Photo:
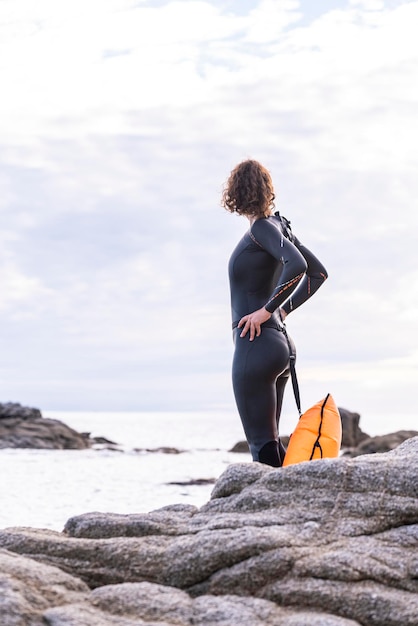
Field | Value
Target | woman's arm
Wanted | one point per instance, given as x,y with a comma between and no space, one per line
315,276
269,237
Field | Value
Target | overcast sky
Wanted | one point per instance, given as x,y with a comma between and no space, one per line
120,121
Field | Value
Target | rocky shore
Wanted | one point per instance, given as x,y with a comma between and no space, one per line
332,542
25,427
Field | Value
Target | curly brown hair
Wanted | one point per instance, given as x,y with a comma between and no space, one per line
249,190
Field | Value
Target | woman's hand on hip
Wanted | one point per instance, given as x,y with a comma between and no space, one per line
252,322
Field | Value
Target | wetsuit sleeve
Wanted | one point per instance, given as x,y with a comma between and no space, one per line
269,237
315,276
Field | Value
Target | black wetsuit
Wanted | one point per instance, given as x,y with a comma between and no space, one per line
269,270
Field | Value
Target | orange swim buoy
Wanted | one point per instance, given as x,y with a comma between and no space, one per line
317,435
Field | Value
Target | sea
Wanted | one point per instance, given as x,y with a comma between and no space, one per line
44,488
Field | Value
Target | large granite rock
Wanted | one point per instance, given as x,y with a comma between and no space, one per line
33,594
28,588
24,427
324,543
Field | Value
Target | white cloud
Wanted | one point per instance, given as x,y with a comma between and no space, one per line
269,19
339,78
121,123
369,5
21,294
88,61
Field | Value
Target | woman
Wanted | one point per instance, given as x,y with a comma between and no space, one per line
271,273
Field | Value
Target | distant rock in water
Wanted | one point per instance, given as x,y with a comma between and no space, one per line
24,427
160,450
382,443
193,482
352,433
16,410
330,542
240,447
355,442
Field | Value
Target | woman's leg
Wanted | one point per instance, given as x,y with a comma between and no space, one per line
280,387
256,367
281,383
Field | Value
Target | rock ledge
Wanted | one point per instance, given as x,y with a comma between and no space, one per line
326,543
